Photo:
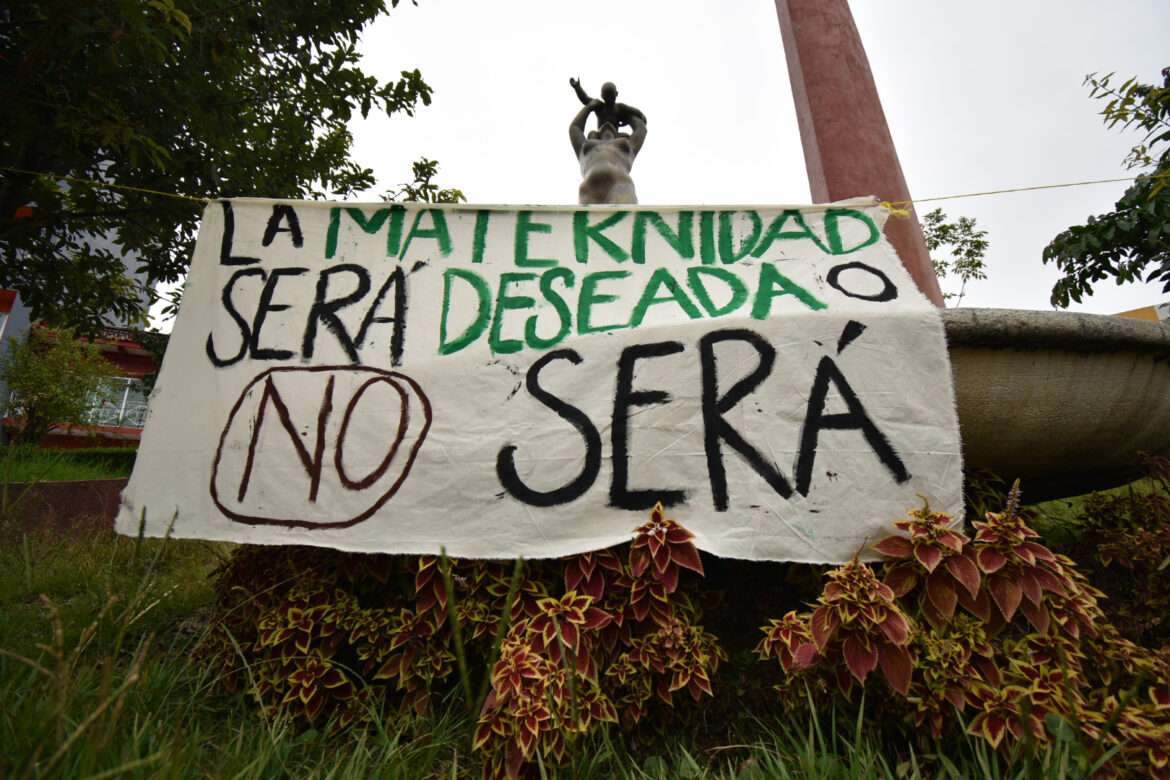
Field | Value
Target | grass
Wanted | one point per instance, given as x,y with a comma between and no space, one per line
1057,520
32,464
98,680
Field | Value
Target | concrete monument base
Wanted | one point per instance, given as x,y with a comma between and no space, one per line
1065,402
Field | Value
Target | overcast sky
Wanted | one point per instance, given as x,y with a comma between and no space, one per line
979,96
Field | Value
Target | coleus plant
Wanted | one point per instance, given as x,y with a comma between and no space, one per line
951,662
990,625
933,554
855,628
858,621
1001,571
619,635
1018,570
1031,644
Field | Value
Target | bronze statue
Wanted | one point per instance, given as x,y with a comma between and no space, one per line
606,154
615,113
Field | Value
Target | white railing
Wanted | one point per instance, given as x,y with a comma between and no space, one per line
118,401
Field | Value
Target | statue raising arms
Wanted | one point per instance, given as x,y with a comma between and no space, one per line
617,114
605,154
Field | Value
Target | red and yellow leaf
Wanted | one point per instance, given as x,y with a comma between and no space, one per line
980,606
1037,615
940,590
896,666
1006,593
687,556
823,625
669,578
930,557
1031,586
860,656
901,579
991,728
989,560
895,547
895,627
806,655
965,572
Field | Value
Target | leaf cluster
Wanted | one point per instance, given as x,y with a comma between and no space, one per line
965,244
1123,539
1132,242
986,633
423,189
209,98
995,635
318,636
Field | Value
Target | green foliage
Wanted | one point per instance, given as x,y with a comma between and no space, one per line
51,375
965,245
1122,538
28,463
210,98
155,343
422,189
98,678
1132,242
101,678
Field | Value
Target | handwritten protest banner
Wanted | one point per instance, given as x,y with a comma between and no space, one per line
525,381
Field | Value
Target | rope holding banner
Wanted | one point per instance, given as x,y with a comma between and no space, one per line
900,208
896,208
106,185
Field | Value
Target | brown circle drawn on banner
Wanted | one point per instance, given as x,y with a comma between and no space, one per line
392,378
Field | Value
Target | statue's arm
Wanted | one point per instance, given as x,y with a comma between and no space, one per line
627,112
577,126
638,137
582,95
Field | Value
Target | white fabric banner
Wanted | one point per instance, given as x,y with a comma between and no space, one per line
528,381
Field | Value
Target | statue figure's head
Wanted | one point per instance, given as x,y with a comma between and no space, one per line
608,92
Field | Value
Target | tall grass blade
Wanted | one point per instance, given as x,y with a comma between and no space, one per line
456,630
502,626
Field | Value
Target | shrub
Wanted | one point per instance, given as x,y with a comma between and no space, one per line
319,636
115,461
50,374
997,631
1122,539
985,635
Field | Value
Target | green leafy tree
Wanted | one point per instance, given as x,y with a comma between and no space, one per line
52,376
1132,242
211,98
423,189
965,248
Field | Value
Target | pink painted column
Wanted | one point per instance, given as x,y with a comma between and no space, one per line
848,150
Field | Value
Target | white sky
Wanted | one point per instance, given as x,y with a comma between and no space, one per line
979,96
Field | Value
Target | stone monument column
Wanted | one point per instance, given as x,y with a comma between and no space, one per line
848,150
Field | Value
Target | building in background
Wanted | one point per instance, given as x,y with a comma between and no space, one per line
117,405
1157,313
14,324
